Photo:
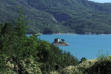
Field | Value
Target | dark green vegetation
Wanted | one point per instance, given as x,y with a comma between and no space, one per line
95,66
53,16
100,67
20,54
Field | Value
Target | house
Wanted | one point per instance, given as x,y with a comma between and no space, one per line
58,42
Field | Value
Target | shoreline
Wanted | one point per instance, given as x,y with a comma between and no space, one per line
71,34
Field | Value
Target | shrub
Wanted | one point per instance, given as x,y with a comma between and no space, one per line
83,59
102,66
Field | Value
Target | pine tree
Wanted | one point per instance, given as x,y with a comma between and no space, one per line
21,38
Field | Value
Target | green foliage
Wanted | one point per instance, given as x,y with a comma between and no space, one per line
30,46
7,38
94,66
83,59
21,54
52,58
21,25
3,62
13,65
102,66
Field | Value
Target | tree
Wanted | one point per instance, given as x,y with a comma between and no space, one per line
7,38
20,26
20,30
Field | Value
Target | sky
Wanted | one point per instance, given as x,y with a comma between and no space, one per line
102,1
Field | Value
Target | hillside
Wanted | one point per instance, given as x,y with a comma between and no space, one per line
64,16
100,65
21,54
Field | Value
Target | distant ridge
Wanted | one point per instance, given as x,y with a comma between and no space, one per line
60,16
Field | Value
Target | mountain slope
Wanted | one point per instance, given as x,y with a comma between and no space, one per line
48,16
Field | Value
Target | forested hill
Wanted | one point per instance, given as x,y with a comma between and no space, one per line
63,16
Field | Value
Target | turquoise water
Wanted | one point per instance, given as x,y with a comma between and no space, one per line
89,46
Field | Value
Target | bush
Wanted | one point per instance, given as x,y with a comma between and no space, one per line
102,66
14,65
83,59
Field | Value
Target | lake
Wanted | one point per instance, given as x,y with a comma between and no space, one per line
89,46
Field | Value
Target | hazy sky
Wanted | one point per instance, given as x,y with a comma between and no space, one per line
102,1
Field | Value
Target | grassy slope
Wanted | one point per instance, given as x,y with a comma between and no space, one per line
89,65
